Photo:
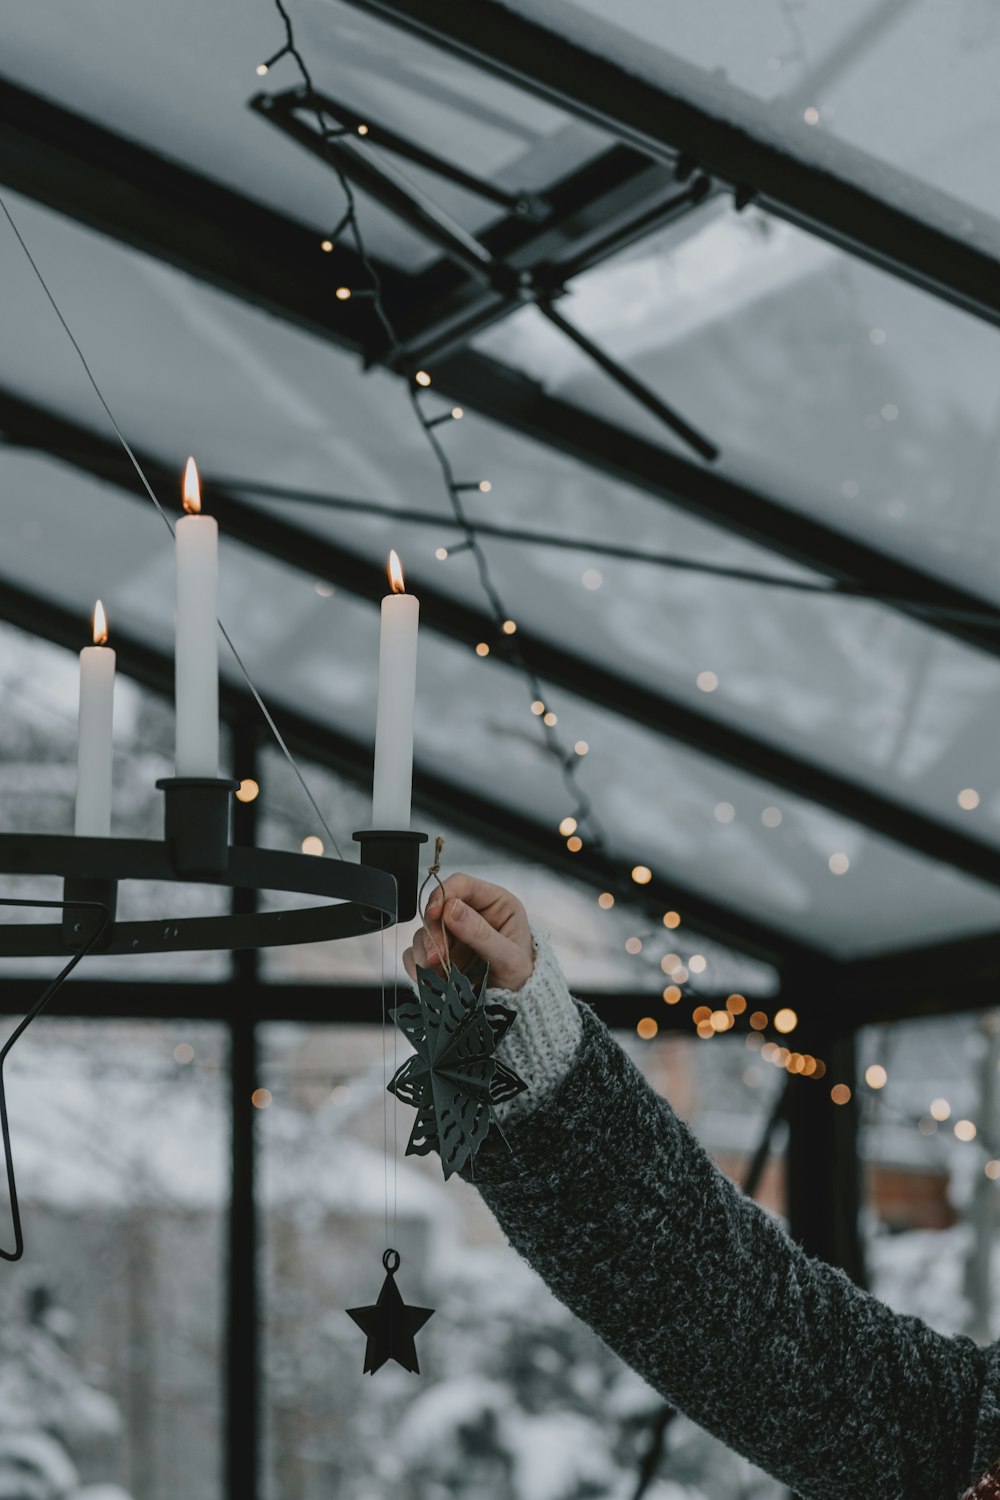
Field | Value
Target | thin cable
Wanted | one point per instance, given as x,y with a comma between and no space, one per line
165,518
21,1028
395,1101
385,1100
82,358
269,719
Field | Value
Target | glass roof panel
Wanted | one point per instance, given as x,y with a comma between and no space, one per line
178,79
826,383
186,368
897,96
685,816
846,683
591,948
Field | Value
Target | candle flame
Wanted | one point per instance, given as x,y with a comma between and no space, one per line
100,625
396,573
192,488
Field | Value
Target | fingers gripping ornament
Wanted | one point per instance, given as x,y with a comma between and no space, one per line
454,1079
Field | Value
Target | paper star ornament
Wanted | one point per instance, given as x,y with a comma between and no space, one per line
455,1078
389,1324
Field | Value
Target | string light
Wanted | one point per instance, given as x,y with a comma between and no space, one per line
574,844
441,553
940,1109
968,799
697,963
184,1052
840,1093
672,994
362,130
567,762
261,1098
737,1004
839,864
592,579
633,945
642,874
326,246
509,627
312,845
455,415
482,649
707,682
785,1020
759,1020
647,1028
876,1077
605,900
248,790
581,747
671,919
770,817
992,1169
567,826
264,67
422,378
965,1130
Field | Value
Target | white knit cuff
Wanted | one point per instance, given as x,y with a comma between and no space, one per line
542,1042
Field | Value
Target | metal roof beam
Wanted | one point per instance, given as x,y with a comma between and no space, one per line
668,717
659,122
482,817
165,210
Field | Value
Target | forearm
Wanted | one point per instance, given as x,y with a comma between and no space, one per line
614,1202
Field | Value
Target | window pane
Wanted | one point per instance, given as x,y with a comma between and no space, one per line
509,1381
181,84
110,1354
931,1169
896,97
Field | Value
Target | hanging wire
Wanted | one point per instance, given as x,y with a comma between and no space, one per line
21,1028
269,718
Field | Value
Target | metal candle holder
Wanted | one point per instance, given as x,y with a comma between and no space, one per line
361,898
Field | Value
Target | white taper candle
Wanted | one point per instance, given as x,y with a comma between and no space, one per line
397,683
197,650
94,739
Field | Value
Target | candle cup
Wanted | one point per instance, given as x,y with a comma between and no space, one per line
398,854
196,826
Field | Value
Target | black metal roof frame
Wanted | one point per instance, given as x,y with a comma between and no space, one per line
86,173
79,169
666,716
653,120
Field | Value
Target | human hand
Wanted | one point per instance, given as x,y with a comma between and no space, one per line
482,921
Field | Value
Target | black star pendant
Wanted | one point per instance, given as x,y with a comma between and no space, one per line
390,1324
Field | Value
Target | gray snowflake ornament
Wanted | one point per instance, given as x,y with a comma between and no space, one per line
455,1078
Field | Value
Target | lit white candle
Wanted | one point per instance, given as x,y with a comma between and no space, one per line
397,684
94,741
196,679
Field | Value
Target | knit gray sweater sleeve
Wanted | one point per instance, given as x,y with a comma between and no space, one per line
610,1197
